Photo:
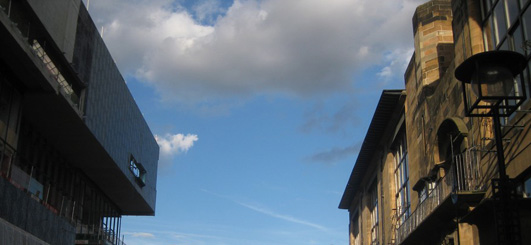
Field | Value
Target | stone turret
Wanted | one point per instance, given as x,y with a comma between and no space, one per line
432,27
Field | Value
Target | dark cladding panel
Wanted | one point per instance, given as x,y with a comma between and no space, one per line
111,113
23,211
59,18
85,40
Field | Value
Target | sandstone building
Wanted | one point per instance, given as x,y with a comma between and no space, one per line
75,151
425,172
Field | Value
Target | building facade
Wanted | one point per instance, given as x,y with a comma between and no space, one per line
430,176
75,151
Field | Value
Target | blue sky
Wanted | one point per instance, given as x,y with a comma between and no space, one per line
259,107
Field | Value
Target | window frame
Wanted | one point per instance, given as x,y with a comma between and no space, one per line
138,171
514,16
401,176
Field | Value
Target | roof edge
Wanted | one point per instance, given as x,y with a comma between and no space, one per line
389,100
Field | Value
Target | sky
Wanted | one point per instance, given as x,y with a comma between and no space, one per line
259,108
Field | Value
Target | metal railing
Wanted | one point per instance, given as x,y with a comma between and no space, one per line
27,29
463,175
97,234
66,208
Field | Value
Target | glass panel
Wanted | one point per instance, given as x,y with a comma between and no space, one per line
4,5
517,91
523,2
485,4
526,22
12,128
518,40
512,10
527,188
527,81
396,181
400,177
500,21
488,34
504,45
404,173
5,105
17,14
6,157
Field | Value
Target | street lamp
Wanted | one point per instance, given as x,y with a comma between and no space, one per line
491,77
497,93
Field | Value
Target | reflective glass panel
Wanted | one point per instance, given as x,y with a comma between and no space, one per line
500,21
518,40
512,10
526,22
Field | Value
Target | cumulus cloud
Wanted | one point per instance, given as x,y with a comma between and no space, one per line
206,11
397,61
171,145
297,47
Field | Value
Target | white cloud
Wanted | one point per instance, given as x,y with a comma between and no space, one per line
207,10
175,144
296,47
397,61
172,145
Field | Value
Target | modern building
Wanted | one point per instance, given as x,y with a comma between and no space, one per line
427,173
75,151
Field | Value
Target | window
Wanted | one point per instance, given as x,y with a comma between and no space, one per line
402,178
426,190
507,26
10,107
373,207
138,171
525,188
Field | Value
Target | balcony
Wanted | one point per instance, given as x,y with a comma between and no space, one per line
462,186
31,37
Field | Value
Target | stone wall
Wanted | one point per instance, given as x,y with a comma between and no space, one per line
434,52
432,27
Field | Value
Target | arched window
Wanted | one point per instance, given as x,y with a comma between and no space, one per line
456,158
451,137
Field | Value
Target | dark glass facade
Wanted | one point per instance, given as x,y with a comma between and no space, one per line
75,151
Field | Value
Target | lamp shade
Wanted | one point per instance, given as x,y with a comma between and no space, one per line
491,77
514,62
492,81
